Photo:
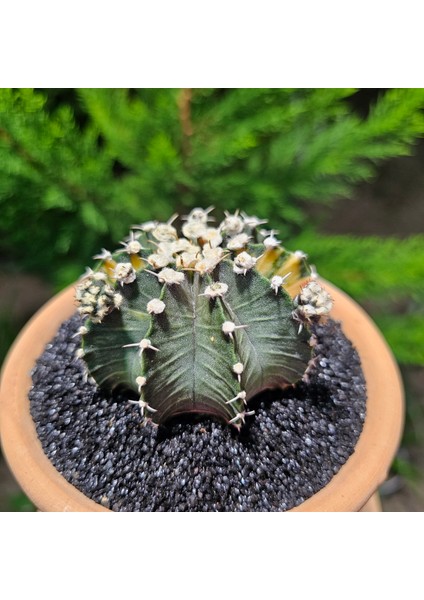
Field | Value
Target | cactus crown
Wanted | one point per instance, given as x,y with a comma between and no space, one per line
199,322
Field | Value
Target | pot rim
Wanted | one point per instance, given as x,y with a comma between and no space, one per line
348,490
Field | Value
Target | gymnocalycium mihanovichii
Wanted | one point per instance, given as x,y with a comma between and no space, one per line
199,320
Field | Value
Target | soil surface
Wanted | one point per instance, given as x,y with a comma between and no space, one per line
293,445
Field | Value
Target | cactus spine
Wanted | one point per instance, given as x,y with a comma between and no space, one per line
199,322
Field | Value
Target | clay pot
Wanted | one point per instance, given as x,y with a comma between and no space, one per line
349,490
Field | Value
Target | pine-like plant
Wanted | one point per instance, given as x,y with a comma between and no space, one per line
94,160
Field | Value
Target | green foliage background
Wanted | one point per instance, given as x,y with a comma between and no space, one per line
77,167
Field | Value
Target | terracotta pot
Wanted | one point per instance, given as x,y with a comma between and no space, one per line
349,490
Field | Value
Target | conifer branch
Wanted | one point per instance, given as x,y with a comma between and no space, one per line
76,193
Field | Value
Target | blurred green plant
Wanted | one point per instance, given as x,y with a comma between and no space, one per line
78,166
20,503
385,275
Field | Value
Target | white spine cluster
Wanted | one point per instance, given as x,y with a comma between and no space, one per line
141,382
132,245
103,255
277,282
212,237
142,345
170,277
124,273
215,290
155,306
194,230
240,418
144,406
240,396
164,233
243,262
312,303
232,224
95,298
271,242
238,369
239,241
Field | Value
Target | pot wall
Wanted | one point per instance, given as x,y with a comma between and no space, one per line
349,490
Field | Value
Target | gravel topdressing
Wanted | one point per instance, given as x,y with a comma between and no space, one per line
297,440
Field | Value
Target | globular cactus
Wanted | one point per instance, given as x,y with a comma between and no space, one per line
199,322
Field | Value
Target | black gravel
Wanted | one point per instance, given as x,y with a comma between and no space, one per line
292,447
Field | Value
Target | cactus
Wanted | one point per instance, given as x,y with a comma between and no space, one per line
200,322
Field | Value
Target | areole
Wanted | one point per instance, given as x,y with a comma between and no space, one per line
349,490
